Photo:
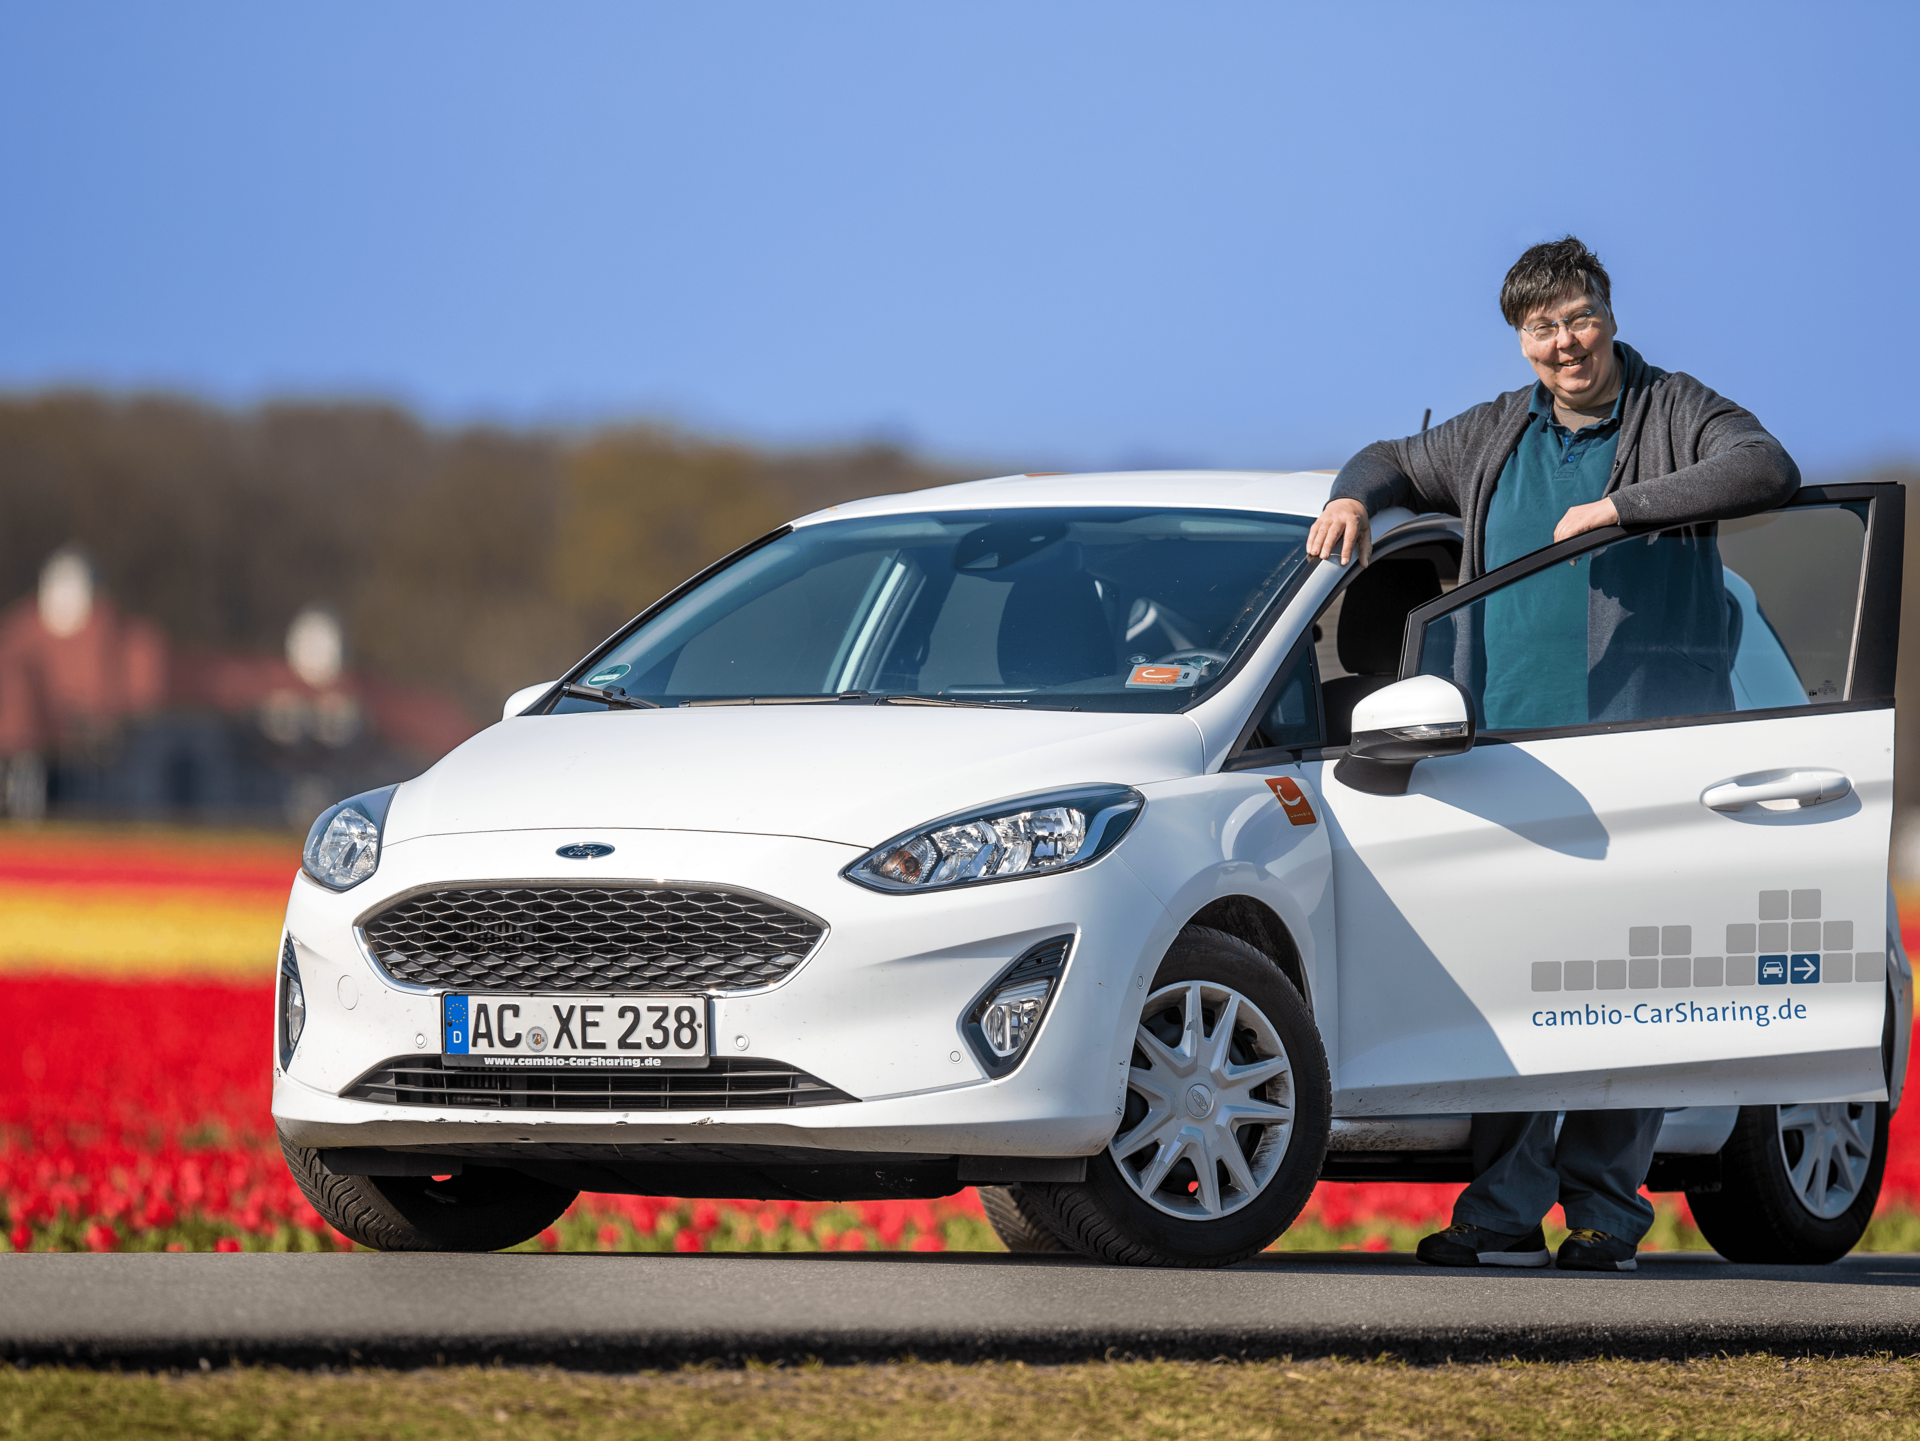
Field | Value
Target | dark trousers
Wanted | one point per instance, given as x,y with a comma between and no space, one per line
1595,1171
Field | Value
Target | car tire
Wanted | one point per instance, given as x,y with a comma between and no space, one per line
1017,1221
1777,1204
1137,1205
1770,1209
484,1208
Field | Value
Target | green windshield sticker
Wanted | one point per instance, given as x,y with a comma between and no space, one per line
607,674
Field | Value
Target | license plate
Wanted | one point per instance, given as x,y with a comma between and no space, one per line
575,1032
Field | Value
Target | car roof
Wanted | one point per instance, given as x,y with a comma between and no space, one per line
1285,492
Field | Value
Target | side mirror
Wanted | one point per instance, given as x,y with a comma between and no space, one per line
1400,725
524,697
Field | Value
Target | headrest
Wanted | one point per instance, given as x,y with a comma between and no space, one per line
1054,631
1373,616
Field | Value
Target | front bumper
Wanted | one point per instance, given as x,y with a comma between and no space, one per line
875,1012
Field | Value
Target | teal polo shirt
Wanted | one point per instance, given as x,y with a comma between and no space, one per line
1536,630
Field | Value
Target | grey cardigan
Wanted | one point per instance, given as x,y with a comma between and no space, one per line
1685,456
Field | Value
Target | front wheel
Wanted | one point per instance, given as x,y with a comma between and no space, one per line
1017,1222
482,1209
1225,1123
1798,1183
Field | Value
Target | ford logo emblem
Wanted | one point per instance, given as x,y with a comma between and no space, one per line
584,851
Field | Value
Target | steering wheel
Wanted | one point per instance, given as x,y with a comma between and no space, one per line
1193,655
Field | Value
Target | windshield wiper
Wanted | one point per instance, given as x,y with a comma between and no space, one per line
608,697
941,700
866,697
779,699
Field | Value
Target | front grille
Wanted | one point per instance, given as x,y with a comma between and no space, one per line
730,1083
587,938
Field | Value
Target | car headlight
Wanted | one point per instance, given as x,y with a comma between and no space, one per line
1029,836
343,848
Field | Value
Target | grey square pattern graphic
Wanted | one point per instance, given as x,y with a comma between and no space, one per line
1790,943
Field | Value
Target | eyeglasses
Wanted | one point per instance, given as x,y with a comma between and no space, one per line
1583,326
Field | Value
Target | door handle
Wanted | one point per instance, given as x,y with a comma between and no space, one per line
1806,785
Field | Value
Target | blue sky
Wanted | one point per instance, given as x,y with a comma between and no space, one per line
1027,235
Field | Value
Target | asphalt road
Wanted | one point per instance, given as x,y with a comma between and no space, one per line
623,1312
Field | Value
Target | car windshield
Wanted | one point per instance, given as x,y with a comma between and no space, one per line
1101,609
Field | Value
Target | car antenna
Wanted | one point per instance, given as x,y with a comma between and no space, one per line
1426,418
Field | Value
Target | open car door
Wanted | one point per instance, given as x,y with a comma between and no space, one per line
1658,878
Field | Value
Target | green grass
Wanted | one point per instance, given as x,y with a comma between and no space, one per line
1895,1231
1892,1231
739,1230
1743,1397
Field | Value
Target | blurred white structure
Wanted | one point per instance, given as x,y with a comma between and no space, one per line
316,648
66,593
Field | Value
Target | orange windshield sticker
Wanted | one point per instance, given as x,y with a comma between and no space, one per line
1292,800
1158,675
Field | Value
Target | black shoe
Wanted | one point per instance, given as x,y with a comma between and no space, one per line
1586,1250
1462,1245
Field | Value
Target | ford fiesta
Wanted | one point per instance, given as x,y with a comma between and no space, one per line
1079,838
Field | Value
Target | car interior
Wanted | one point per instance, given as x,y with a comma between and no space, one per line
1355,650
1359,634
1373,619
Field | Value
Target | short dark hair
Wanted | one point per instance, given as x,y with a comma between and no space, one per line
1547,272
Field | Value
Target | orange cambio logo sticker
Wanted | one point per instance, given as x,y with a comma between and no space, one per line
1292,800
1159,675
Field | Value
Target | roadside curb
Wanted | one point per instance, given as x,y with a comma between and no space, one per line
654,1351
625,1312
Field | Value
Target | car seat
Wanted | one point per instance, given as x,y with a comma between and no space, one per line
1054,631
1373,623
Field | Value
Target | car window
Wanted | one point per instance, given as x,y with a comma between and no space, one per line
1802,569
1759,616
1290,717
1101,609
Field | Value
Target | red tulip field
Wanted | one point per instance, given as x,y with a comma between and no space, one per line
136,991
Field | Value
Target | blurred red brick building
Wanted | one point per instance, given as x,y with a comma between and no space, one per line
100,714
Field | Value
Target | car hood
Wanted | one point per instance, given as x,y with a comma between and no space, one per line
854,774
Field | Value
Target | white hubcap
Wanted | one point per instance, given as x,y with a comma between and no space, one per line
1827,1149
1210,1104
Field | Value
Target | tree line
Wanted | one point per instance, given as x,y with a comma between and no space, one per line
475,559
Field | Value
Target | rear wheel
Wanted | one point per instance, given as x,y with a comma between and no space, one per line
1225,1123
1017,1221
481,1209
1798,1183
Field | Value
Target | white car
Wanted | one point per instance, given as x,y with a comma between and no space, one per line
1078,837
